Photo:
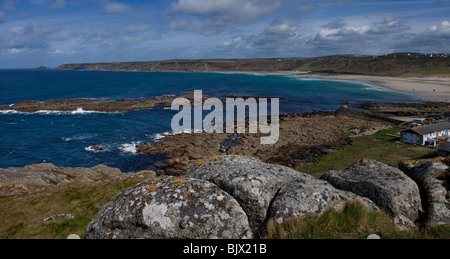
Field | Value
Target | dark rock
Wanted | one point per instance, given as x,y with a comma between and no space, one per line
173,172
171,208
160,172
386,186
105,105
160,165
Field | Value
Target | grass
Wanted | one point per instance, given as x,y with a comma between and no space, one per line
387,134
354,222
23,217
380,147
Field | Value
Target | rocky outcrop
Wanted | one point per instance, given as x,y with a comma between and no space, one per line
171,208
304,139
98,105
309,196
253,183
428,175
271,192
386,186
221,197
16,181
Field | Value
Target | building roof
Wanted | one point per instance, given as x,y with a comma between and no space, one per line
424,130
444,147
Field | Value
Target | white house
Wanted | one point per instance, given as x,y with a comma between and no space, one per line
426,135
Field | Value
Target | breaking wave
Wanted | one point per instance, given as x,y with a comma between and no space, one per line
79,111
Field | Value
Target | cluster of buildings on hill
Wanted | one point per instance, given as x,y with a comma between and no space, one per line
417,55
431,135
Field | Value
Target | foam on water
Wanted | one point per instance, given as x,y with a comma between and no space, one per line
79,137
79,111
98,148
9,112
129,147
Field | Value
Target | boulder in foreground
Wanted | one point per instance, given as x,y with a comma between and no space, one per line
429,176
311,196
386,186
272,192
171,208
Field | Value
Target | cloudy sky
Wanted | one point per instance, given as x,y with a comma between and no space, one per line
54,32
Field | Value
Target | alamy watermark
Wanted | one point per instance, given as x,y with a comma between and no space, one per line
235,118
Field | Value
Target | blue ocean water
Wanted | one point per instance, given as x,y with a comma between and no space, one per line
65,139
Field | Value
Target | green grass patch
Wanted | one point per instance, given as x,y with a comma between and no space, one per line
379,147
23,217
354,222
387,134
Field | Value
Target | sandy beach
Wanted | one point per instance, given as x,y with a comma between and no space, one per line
432,88
429,88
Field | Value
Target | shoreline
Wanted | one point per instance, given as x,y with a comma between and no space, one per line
435,89
430,88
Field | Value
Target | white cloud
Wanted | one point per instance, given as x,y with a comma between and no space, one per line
280,27
335,24
107,39
32,37
339,37
444,26
56,52
205,7
434,39
115,7
279,38
213,17
14,51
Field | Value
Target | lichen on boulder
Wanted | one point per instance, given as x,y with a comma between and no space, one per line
272,192
251,182
171,208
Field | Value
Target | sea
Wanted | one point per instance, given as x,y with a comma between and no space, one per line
67,139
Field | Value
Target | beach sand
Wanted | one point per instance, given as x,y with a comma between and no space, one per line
431,88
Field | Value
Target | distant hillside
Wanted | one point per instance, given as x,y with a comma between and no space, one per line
401,64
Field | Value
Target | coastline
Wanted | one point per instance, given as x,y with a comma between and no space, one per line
429,88
436,89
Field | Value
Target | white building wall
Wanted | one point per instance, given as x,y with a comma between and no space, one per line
446,133
429,137
415,138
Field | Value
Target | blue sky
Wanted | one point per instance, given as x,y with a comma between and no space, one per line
54,32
